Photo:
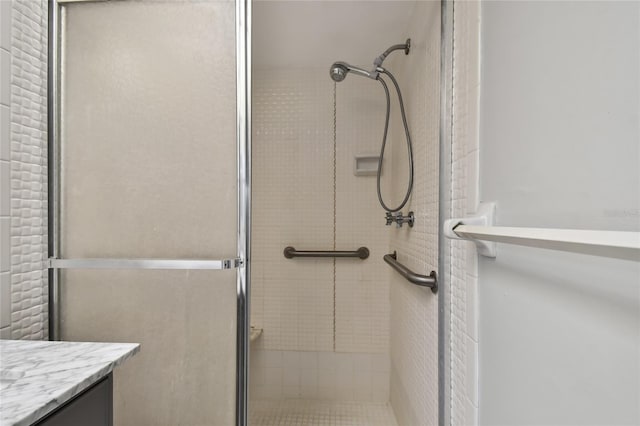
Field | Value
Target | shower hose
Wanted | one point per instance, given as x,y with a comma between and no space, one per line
384,143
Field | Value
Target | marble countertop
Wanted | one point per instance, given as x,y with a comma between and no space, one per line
36,377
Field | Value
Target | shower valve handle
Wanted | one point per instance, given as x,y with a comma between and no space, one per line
401,219
389,217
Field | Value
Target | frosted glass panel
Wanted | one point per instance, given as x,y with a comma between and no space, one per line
148,130
148,170
186,324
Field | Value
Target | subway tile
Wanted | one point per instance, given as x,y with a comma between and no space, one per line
257,375
257,358
269,392
344,363
471,259
471,376
291,360
5,299
290,391
362,362
5,133
309,383
380,363
5,189
5,244
273,377
472,307
471,413
5,78
473,181
5,24
272,359
308,361
328,378
326,361
290,377
5,333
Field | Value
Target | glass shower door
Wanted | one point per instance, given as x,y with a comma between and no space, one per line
148,245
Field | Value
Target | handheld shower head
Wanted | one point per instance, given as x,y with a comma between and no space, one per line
339,71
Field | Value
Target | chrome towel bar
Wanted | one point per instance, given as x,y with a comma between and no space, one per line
290,253
417,279
144,263
480,229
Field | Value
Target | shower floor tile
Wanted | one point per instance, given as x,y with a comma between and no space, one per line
300,412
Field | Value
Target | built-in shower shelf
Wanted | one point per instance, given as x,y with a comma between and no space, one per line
255,333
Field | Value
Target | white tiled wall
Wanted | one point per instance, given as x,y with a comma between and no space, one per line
465,194
324,330
320,375
362,288
414,310
5,169
23,154
292,300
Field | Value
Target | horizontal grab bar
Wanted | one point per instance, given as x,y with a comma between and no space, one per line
430,280
143,264
290,253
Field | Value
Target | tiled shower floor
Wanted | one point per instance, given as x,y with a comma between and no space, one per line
300,412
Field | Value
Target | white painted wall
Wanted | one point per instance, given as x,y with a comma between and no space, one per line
559,133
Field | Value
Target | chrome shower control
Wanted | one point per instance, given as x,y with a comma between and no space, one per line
389,217
400,219
408,219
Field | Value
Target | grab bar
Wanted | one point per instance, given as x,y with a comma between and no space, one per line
430,281
290,253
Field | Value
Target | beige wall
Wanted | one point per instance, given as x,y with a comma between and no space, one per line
414,310
148,152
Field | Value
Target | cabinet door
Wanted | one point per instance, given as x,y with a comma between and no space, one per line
92,407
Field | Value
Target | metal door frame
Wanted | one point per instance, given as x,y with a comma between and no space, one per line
241,263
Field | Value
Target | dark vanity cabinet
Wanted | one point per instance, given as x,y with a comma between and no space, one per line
92,407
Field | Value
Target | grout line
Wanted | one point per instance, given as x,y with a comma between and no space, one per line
334,207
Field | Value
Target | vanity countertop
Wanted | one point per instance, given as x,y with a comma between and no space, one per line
36,377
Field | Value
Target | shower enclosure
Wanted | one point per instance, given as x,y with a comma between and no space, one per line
345,340
149,199
151,137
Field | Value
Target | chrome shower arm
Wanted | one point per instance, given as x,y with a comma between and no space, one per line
380,59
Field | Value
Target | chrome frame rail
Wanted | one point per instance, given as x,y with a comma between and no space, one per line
243,152
290,253
53,173
193,264
417,279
